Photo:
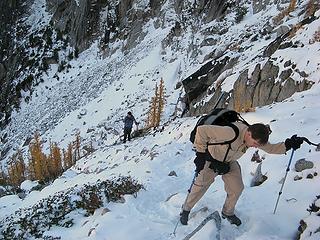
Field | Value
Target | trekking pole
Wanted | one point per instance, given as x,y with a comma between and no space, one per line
219,99
189,190
287,170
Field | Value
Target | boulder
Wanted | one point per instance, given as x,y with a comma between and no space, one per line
172,173
2,191
259,5
197,84
303,164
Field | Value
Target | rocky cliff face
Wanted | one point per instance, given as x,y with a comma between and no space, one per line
10,31
74,25
265,85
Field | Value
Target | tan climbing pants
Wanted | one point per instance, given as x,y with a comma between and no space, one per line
233,185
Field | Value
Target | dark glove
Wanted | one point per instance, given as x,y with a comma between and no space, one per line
202,155
219,167
294,142
200,160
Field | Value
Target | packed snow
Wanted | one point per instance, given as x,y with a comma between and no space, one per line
98,95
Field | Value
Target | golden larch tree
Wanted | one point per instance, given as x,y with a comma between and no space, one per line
156,106
16,169
55,161
292,6
151,119
3,177
311,8
161,101
37,161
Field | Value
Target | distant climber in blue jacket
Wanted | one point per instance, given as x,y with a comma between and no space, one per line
128,122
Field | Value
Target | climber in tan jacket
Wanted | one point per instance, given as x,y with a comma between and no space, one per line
221,159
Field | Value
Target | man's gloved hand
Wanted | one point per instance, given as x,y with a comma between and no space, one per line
203,155
200,160
294,142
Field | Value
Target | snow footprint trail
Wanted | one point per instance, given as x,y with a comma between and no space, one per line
203,226
157,207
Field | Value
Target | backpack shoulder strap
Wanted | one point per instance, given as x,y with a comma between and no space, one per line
236,131
241,119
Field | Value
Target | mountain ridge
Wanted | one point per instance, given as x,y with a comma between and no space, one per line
94,91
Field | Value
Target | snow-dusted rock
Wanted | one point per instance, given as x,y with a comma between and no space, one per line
303,164
28,185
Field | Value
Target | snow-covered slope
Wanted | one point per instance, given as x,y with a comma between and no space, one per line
94,95
154,212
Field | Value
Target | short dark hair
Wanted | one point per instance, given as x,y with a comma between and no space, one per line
129,113
260,132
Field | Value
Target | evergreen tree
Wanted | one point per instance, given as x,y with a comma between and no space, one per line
77,144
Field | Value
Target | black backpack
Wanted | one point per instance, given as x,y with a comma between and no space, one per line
221,117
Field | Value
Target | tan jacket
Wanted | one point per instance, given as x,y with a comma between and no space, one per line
213,134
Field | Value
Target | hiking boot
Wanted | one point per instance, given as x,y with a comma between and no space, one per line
233,219
184,217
